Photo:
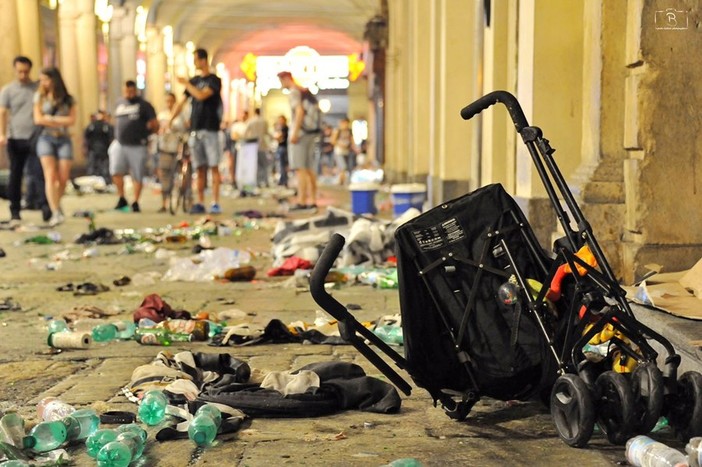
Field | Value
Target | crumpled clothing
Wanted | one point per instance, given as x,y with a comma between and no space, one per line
156,309
289,267
343,386
287,383
276,332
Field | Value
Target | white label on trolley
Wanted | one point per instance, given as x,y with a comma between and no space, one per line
431,238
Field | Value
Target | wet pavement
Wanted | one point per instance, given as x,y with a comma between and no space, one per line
496,433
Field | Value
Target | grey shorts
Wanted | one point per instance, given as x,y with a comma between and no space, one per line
128,160
301,154
60,147
204,148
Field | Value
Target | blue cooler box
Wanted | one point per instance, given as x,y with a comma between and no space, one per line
363,198
405,196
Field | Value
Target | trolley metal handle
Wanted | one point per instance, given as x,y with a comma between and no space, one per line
319,273
513,107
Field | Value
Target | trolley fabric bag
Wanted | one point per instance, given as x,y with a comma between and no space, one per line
458,331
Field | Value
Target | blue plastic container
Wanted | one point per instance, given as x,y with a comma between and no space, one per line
406,196
363,198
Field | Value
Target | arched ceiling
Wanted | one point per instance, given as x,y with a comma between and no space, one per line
229,29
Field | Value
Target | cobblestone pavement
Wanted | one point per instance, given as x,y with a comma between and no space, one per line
496,433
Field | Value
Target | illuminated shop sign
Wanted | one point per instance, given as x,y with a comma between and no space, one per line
310,70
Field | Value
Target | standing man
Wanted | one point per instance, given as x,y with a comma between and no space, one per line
135,120
205,118
17,100
96,139
304,131
257,130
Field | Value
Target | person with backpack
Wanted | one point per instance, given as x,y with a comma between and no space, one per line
303,133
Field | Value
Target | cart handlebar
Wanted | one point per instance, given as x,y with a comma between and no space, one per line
513,107
319,273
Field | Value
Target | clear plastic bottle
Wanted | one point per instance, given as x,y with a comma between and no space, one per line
98,439
133,428
203,428
50,409
694,451
642,451
81,424
12,429
152,409
57,325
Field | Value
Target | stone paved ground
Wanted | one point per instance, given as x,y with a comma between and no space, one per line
494,434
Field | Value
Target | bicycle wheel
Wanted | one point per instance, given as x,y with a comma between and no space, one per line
185,191
177,184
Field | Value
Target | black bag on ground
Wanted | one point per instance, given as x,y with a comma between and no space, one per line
458,333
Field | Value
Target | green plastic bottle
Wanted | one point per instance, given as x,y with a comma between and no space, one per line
98,439
152,409
104,332
203,428
118,453
46,436
125,329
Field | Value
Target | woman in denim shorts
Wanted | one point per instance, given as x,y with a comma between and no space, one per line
55,110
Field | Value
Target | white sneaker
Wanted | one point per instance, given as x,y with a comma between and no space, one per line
56,219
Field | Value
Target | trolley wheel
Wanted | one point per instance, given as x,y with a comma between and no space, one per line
615,406
588,373
686,414
647,388
572,410
460,412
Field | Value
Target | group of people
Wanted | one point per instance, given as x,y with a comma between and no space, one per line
36,117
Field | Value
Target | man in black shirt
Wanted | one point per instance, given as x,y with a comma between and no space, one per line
135,120
205,118
97,138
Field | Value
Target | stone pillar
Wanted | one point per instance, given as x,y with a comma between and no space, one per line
549,89
662,137
123,48
499,65
29,33
396,106
155,69
11,46
10,49
455,84
78,58
419,112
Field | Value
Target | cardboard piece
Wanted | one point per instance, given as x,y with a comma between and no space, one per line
677,293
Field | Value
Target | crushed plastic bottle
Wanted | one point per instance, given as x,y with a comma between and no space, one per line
12,429
50,409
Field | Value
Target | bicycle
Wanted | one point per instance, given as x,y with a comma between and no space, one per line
182,181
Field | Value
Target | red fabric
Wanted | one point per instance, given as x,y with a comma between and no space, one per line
289,266
154,308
